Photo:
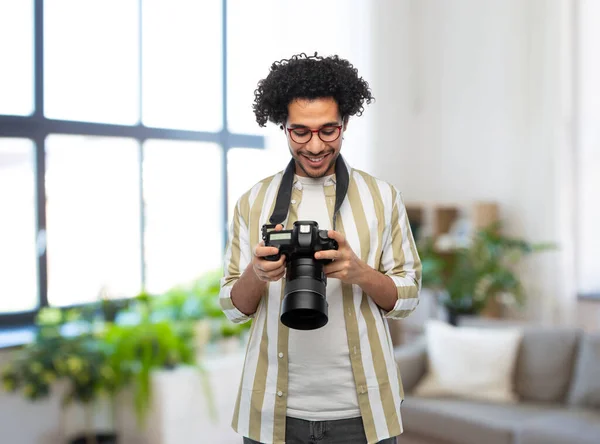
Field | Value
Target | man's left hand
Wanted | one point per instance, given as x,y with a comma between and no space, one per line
346,266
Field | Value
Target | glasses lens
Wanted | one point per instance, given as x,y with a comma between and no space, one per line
300,135
329,134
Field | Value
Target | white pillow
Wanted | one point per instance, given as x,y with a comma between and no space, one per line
470,362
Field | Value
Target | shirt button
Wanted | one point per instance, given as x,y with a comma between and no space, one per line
293,201
280,355
280,393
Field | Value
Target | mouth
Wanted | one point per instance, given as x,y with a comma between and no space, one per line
316,162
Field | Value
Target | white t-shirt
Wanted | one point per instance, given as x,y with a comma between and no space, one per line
321,384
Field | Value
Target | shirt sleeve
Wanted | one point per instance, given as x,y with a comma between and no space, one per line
400,260
237,258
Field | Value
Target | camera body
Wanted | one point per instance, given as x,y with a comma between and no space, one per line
303,240
304,306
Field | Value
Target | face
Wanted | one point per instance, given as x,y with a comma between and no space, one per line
314,158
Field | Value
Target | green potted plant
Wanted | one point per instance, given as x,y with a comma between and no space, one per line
79,360
138,350
472,278
162,338
102,354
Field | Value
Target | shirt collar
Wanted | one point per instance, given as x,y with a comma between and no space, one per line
329,182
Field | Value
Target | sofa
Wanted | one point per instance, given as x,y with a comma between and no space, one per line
556,385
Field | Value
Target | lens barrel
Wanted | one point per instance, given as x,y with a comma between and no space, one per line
304,305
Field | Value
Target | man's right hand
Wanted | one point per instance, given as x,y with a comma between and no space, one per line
268,271
250,287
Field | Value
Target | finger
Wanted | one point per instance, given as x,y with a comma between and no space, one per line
278,263
262,251
265,265
337,275
328,254
278,276
334,267
337,236
270,266
260,244
278,227
257,246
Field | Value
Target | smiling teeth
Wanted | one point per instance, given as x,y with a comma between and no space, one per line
318,159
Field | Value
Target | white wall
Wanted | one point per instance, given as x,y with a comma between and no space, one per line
473,104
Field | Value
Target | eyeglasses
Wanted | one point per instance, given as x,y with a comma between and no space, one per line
329,133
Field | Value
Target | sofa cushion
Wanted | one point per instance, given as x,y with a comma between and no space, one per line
468,422
470,362
585,388
572,427
545,363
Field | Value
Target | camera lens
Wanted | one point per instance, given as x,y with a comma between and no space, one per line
304,305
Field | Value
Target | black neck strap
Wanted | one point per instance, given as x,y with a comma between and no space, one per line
284,195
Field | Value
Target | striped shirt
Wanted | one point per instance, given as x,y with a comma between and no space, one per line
373,219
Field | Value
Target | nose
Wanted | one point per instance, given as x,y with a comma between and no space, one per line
315,145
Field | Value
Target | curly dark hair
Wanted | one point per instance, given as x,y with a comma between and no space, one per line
309,77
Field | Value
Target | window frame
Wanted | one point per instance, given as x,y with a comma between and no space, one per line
37,127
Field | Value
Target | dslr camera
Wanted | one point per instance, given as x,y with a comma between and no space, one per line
304,305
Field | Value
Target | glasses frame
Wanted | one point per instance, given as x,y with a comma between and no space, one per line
318,131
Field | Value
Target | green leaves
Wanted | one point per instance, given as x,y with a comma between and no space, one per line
470,277
79,360
101,348
137,350
192,301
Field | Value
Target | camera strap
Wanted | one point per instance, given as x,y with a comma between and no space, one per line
284,195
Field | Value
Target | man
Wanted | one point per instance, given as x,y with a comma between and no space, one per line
338,383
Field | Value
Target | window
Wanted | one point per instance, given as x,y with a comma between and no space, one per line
118,122
91,60
18,253
93,213
16,53
182,69
588,159
182,200
113,149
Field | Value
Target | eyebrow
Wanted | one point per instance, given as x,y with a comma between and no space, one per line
297,125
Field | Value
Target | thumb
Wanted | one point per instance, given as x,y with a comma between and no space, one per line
260,244
337,236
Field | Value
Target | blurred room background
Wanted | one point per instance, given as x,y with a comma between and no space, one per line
127,135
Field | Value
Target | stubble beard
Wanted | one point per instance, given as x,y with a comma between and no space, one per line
334,157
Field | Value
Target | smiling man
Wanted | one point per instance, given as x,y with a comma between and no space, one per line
338,383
